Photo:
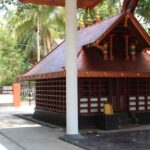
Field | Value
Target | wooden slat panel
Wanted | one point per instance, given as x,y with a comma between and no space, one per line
51,95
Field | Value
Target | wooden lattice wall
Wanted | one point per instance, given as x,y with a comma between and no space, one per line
126,94
51,94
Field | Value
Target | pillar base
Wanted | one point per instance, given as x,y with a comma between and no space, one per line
73,137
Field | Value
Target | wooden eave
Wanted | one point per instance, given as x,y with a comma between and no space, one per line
102,37
139,28
88,74
80,3
50,75
113,74
135,23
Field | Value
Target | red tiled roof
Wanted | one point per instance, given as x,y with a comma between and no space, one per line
55,61
91,61
80,3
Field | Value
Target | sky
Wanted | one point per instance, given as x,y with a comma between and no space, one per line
3,12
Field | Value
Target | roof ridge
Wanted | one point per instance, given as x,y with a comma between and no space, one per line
100,21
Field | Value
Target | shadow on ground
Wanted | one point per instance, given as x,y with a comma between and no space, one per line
20,134
133,140
102,140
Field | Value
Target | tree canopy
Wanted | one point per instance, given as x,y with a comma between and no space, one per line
13,63
27,31
143,9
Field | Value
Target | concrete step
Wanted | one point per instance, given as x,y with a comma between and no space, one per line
124,119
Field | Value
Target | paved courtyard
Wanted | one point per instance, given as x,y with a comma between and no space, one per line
133,140
20,134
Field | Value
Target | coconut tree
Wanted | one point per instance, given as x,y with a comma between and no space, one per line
10,56
35,27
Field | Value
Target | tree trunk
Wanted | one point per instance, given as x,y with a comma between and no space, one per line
38,39
45,47
120,5
48,42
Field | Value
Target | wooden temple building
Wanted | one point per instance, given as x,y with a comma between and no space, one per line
113,66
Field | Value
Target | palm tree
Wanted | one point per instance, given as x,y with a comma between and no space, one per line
36,27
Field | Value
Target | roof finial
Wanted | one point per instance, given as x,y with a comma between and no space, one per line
88,19
97,17
81,23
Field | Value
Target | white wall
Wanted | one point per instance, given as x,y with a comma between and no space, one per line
6,98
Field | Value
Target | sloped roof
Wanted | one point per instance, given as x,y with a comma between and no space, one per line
53,65
91,63
80,3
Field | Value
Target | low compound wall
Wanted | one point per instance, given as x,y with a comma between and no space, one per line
12,98
6,99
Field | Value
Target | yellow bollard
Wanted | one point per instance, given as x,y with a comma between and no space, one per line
108,110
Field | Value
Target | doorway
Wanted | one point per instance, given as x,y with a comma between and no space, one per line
119,95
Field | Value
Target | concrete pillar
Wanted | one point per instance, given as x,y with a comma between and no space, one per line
16,94
71,68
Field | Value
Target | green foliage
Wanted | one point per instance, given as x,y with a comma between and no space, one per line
51,24
12,60
105,9
143,9
18,49
18,40
108,8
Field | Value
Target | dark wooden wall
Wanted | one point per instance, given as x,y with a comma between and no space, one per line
51,94
125,94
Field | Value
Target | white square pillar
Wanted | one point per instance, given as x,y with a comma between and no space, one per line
71,68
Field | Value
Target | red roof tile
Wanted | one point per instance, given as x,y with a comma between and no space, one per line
89,61
92,60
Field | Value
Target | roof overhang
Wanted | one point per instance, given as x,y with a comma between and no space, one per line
113,74
88,74
139,28
50,75
134,21
80,3
37,72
